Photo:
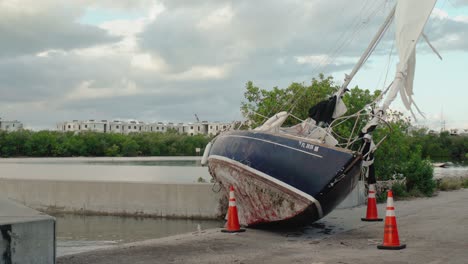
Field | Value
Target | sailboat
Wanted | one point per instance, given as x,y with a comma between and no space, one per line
299,174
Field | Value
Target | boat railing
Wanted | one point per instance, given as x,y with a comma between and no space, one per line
360,120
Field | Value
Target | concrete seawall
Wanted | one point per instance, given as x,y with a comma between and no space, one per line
117,198
128,198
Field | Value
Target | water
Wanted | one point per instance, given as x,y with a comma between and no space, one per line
83,233
77,234
144,169
457,169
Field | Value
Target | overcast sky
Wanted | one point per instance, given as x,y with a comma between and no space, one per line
167,60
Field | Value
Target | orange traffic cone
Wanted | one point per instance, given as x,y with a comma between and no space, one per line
391,240
232,225
371,215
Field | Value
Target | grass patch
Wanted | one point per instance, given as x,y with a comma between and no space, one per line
450,184
465,182
415,192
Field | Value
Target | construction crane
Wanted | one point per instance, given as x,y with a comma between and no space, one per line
198,120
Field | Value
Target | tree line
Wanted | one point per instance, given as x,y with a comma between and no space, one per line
405,153
26,143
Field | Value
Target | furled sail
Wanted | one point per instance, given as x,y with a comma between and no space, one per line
410,18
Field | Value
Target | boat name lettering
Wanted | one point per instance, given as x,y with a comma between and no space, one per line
308,146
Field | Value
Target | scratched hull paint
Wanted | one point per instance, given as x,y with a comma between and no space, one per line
282,179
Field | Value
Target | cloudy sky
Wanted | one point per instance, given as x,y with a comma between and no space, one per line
167,60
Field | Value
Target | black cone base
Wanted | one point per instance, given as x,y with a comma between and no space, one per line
371,219
402,246
233,231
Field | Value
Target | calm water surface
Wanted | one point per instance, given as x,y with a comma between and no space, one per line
453,169
144,169
83,233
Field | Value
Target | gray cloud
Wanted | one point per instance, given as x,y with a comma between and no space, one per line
460,2
268,29
258,41
39,30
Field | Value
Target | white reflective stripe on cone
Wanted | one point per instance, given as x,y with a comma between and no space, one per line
371,193
390,202
232,203
231,195
390,212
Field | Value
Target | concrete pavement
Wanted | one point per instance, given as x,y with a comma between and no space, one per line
434,229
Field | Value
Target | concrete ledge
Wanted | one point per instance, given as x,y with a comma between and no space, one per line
26,236
128,198
115,198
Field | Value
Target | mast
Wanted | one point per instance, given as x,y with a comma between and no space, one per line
368,51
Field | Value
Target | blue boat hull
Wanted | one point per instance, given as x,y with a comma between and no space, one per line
280,178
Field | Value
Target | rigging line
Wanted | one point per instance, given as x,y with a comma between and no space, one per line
390,60
356,31
386,69
355,28
330,59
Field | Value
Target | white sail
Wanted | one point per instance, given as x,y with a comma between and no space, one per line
410,18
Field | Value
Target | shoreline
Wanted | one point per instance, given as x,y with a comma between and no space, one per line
81,159
341,235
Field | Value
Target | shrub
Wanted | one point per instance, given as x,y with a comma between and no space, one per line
201,180
415,192
399,190
419,174
381,197
465,183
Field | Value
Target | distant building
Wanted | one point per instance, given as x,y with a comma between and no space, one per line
126,127
9,126
88,125
464,132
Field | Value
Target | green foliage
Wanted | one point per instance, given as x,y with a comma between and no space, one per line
465,183
419,173
400,155
395,149
355,100
58,144
416,193
441,145
201,180
112,151
399,190
261,102
381,197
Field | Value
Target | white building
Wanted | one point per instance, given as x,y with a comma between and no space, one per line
116,126
132,127
94,125
156,127
216,127
126,127
88,125
10,126
69,126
